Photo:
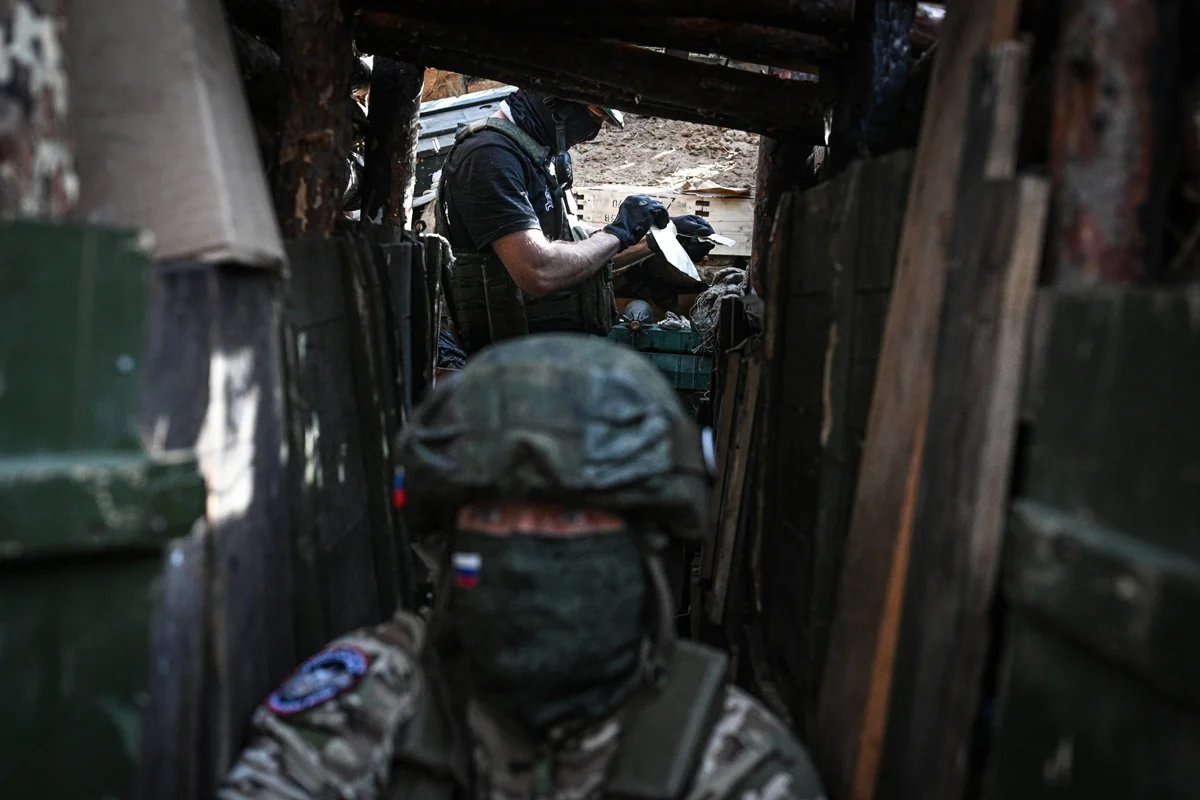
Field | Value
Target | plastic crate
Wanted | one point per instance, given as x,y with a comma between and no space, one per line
686,372
670,351
654,339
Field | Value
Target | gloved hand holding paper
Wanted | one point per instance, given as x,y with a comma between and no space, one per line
673,251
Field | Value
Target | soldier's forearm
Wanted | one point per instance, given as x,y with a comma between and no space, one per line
567,263
539,266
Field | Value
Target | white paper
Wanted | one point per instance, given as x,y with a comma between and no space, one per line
673,251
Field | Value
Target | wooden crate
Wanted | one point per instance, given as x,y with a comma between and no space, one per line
731,216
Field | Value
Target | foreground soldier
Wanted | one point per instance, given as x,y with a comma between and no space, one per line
557,467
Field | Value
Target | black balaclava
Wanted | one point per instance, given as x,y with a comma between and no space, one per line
542,115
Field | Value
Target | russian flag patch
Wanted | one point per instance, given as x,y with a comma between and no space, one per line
466,570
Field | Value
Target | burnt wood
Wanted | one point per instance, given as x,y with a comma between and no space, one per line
757,44
1115,98
611,73
316,58
874,76
391,142
798,14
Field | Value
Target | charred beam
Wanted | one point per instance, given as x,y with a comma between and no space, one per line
614,74
263,18
758,44
1114,90
391,144
317,59
795,14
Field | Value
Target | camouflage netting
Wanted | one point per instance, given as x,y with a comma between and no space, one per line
566,418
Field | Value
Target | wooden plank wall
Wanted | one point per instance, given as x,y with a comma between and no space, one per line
832,257
871,583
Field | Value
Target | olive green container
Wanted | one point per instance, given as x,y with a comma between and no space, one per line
84,512
673,352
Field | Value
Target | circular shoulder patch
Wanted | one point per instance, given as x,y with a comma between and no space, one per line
323,677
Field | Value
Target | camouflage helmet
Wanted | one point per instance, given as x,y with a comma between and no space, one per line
564,418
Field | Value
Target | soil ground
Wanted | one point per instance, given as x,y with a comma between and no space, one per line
664,153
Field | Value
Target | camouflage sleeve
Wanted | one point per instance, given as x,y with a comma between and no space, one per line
751,755
329,729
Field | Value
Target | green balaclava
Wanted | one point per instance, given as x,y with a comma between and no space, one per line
551,628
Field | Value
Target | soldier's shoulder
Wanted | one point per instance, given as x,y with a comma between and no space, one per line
329,729
751,755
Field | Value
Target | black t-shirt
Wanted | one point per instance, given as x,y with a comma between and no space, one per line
494,189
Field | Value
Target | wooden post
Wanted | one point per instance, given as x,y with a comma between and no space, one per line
37,169
870,592
316,56
1114,102
391,152
866,117
782,167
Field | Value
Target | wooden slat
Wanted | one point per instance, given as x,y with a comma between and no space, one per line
174,737
315,137
727,414
241,456
964,494
871,584
335,512
741,446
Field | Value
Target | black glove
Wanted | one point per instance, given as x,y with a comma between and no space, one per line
637,213
689,227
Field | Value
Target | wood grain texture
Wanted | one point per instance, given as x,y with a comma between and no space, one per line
963,495
877,547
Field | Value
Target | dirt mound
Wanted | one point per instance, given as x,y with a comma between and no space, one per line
651,151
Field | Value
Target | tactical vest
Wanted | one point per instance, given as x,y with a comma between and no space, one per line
485,303
661,742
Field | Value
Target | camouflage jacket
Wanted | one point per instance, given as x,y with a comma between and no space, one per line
349,724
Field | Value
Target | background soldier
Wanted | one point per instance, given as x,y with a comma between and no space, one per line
522,262
557,467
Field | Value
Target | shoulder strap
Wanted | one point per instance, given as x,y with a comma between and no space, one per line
537,154
664,736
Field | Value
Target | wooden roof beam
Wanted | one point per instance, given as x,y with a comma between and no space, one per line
803,15
609,73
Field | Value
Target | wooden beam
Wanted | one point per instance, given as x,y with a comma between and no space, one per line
758,44
37,164
611,73
946,627
1114,97
857,677
316,57
391,145
866,119
796,14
